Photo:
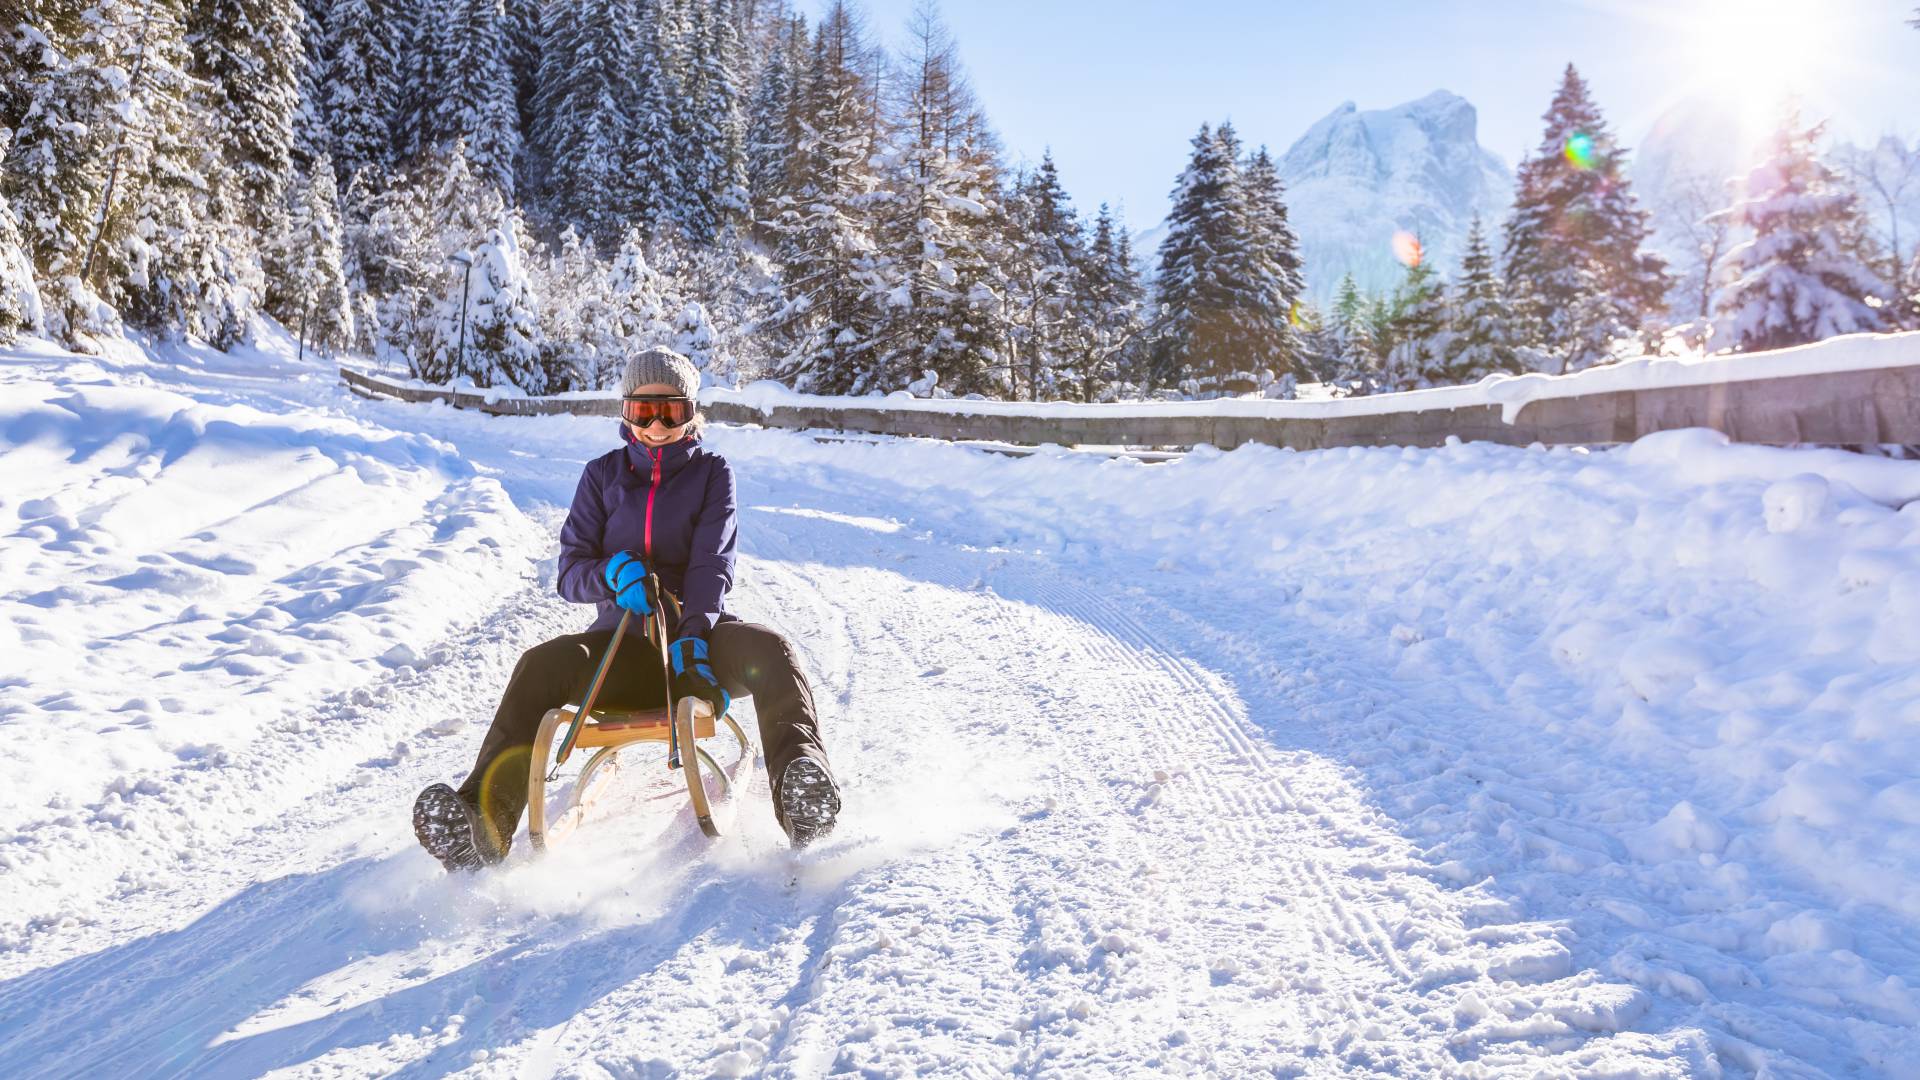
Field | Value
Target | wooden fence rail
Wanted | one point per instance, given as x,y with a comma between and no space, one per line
1872,404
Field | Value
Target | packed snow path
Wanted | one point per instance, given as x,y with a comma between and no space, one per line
1119,802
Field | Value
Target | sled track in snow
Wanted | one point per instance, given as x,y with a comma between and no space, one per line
1295,816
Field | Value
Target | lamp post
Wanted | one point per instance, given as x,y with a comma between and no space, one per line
463,259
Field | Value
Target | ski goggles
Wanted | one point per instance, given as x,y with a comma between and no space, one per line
644,409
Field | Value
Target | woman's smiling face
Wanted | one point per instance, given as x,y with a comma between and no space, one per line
656,433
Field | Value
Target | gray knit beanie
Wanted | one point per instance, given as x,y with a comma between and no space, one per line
661,365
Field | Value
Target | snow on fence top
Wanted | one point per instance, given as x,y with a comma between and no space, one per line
1859,389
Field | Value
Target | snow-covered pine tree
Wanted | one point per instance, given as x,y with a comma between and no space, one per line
571,285
935,307
361,90
587,70
559,35
1358,367
165,247
1421,334
1044,265
22,26
773,123
1482,323
320,307
1110,308
19,295
737,283
499,344
694,336
1798,278
1128,269
477,103
637,298
422,33
1183,249
1214,329
394,262
826,224
104,102
358,203
248,53
1321,342
461,206
523,61
310,122
1353,353
1575,272
653,193
1349,303
282,252
711,145
1275,263
456,214
74,69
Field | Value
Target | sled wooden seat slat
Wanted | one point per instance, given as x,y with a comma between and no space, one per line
619,727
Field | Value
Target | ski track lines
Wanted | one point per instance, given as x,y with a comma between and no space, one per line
1493,810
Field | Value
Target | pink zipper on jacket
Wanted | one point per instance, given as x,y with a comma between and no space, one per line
651,492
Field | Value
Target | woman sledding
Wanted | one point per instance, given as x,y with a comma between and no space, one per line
662,503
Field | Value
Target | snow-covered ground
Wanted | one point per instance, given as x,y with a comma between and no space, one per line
1469,761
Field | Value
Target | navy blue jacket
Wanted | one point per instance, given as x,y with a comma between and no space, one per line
675,506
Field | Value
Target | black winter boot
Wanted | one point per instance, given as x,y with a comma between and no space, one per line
808,802
450,829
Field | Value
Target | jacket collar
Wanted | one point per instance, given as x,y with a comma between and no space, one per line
639,459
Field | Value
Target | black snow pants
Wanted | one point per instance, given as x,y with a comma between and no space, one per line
747,659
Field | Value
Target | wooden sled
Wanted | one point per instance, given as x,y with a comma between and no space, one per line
608,731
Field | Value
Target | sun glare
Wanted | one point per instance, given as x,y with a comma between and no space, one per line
1757,54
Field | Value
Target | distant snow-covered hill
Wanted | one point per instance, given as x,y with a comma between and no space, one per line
1359,176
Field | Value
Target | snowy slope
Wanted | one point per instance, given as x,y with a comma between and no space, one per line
1359,176
1475,761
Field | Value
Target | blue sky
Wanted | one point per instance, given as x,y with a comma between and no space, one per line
1117,89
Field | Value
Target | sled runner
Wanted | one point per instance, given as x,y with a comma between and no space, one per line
607,731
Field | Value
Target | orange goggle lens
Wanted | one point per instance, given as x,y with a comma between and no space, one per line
670,411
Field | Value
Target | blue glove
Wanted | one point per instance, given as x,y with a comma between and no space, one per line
693,676
627,576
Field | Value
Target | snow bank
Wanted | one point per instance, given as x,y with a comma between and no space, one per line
1856,352
185,565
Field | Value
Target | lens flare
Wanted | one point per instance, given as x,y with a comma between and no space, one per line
1579,151
1406,248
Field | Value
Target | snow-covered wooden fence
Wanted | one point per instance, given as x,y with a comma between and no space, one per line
1856,390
